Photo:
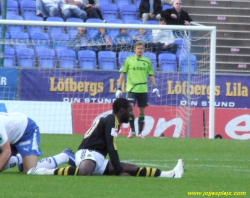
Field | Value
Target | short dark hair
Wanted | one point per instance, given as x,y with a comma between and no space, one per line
120,103
163,19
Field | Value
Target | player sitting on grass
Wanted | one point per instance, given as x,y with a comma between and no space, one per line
19,145
100,140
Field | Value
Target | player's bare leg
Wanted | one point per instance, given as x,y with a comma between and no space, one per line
87,167
29,162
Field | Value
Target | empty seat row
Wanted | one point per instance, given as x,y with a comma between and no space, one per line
87,59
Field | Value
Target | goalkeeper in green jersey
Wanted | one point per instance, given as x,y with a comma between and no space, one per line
137,68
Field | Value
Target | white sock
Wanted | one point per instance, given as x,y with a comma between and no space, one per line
167,174
53,162
14,161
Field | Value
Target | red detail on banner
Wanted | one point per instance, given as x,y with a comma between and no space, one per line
232,123
159,120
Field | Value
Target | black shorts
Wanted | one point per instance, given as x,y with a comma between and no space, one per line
140,98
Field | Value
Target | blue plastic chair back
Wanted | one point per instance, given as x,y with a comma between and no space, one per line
107,60
167,62
87,59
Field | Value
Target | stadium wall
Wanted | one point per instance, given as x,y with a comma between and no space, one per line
36,95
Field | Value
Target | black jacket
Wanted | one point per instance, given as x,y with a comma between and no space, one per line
180,21
145,7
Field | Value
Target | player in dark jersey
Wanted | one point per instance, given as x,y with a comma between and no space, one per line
100,140
137,68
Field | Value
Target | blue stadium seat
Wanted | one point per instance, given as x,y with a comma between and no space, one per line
120,3
107,60
20,40
91,32
153,59
15,28
40,38
183,46
87,59
133,32
31,29
152,22
25,58
46,58
72,32
166,6
167,62
184,64
109,11
114,21
60,41
56,30
9,57
28,8
103,2
128,12
113,32
33,18
122,57
66,59
57,19
12,7
7,35
94,20
73,19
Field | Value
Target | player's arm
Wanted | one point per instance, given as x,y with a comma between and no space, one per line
121,79
5,155
152,80
112,148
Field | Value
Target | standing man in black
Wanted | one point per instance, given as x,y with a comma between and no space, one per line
176,15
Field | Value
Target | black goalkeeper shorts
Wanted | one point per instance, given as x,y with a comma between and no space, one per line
141,99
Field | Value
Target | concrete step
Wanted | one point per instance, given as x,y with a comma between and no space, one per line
234,50
232,67
233,34
227,26
220,18
244,11
217,3
239,58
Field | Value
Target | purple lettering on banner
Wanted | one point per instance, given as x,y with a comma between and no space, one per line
231,91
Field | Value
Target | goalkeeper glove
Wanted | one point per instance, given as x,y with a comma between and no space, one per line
118,93
156,91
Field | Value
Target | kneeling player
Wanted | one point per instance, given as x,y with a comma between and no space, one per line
99,141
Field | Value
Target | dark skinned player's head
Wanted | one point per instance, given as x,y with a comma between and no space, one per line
122,109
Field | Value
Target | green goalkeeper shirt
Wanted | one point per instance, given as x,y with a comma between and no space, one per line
137,70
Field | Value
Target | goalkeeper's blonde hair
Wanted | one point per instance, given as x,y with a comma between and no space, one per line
138,43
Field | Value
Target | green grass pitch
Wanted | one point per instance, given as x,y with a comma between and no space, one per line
211,166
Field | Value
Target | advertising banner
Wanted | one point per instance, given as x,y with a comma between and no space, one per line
159,121
232,123
231,91
51,117
8,83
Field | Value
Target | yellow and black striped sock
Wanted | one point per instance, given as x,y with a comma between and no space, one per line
70,170
148,172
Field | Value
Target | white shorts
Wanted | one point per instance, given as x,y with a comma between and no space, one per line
86,154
